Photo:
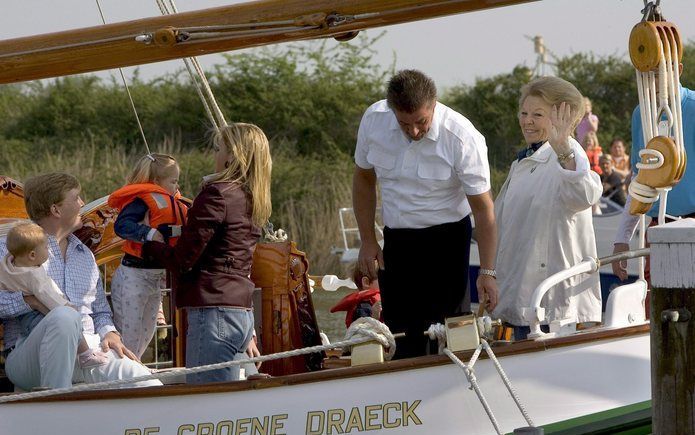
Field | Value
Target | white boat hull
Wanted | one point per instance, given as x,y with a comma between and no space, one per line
554,384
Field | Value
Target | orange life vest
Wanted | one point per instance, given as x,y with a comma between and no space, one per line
163,209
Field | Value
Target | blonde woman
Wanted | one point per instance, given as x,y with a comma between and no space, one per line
150,208
543,211
212,261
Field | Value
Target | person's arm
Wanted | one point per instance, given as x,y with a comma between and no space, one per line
129,224
204,217
364,206
628,222
593,122
581,187
486,235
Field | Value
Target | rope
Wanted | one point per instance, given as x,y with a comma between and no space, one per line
127,89
212,109
438,332
366,330
470,375
372,327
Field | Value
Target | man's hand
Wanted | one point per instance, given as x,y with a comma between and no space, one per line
369,258
620,267
35,304
252,351
113,341
487,291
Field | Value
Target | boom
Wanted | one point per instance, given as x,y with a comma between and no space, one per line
209,31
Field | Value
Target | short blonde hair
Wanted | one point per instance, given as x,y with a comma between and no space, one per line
43,191
593,136
250,165
24,238
151,167
554,90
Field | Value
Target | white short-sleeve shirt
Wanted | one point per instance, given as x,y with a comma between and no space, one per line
423,183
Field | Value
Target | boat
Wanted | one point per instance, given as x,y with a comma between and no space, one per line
553,376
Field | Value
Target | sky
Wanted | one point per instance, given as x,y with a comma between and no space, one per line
452,50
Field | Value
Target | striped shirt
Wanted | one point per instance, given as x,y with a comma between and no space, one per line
77,276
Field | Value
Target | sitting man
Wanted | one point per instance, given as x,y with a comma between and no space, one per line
46,356
611,180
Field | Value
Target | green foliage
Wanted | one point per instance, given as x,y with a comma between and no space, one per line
310,96
610,84
492,105
308,100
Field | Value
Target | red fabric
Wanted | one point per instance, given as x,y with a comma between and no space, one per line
594,154
350,302
174,212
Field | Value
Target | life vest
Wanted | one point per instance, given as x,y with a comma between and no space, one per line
350,302
166,212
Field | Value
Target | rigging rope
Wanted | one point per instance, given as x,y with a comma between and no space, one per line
212,109
127,89
359,336
654,51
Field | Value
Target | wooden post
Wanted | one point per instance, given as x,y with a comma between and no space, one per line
673,327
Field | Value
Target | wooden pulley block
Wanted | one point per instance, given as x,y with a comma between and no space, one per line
639,207
344,37
165,36
663,176
669,32
645,43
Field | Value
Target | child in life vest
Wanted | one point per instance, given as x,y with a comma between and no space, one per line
150,208
365,302
21,271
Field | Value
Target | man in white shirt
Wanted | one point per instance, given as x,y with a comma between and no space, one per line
432,168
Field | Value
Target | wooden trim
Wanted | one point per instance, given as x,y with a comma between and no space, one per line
127,52
521,347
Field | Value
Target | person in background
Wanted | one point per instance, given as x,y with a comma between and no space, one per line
46,357
211,263
589,122
365,302
612,181
621,160
150,208
544,211
431,166
593,151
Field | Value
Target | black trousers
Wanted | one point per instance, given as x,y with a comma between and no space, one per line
425,279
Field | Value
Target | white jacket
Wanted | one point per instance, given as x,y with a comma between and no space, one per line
31,280
545,225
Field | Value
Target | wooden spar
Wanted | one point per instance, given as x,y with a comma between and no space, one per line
673,327
114,45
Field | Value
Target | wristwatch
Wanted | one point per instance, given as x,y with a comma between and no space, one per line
489,272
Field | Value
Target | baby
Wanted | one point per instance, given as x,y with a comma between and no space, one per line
21,270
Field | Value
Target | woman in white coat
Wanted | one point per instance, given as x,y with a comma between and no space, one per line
544,211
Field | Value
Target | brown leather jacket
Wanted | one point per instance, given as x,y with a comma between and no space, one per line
211,262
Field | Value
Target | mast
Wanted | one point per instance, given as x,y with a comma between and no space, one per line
209,31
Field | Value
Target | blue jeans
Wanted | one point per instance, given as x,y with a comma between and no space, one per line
215,335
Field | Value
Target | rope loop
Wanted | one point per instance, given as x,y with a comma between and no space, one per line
437,331
371,327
